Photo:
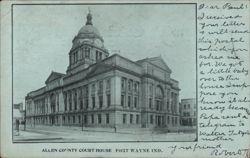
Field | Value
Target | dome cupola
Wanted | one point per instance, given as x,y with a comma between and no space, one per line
88,47
88,32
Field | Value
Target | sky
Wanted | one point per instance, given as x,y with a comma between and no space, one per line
43,34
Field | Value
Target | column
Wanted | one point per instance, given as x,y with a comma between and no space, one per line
171,102
67,100
104,99
177,102
61,101
69,97
116,90
153,97
73,99
89,96
78,98
49,109
125,93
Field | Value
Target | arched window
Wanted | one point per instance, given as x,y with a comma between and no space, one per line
159,95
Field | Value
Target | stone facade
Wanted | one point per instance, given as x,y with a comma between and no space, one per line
99,90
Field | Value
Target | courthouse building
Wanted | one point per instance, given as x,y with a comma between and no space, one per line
103,90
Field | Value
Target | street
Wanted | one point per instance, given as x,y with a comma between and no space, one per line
74,134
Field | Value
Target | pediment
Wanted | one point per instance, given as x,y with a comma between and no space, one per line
159,62
53,76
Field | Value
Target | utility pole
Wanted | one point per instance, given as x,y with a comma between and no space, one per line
24,118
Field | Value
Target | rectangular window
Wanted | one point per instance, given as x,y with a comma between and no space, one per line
131,118
168,119
85,119
108,84
157,105
123,83
92,118
151,119
87,52
129,101
107,118
135,102
124,118
122,100
87,103
108,100
74,119
167,105
136,86
100,101
151,89
99,118
81,104
79,119
137,119
96,55
150,103
130,85
93,102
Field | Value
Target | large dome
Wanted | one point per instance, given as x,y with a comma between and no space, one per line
89,31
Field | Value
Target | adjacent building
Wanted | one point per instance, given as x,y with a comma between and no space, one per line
188,110
18,113
99,90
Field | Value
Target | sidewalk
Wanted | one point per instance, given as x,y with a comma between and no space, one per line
30,136
75,134
93,129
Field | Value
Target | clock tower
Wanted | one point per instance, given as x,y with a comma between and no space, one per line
88,47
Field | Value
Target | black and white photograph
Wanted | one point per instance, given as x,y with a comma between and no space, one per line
104,73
